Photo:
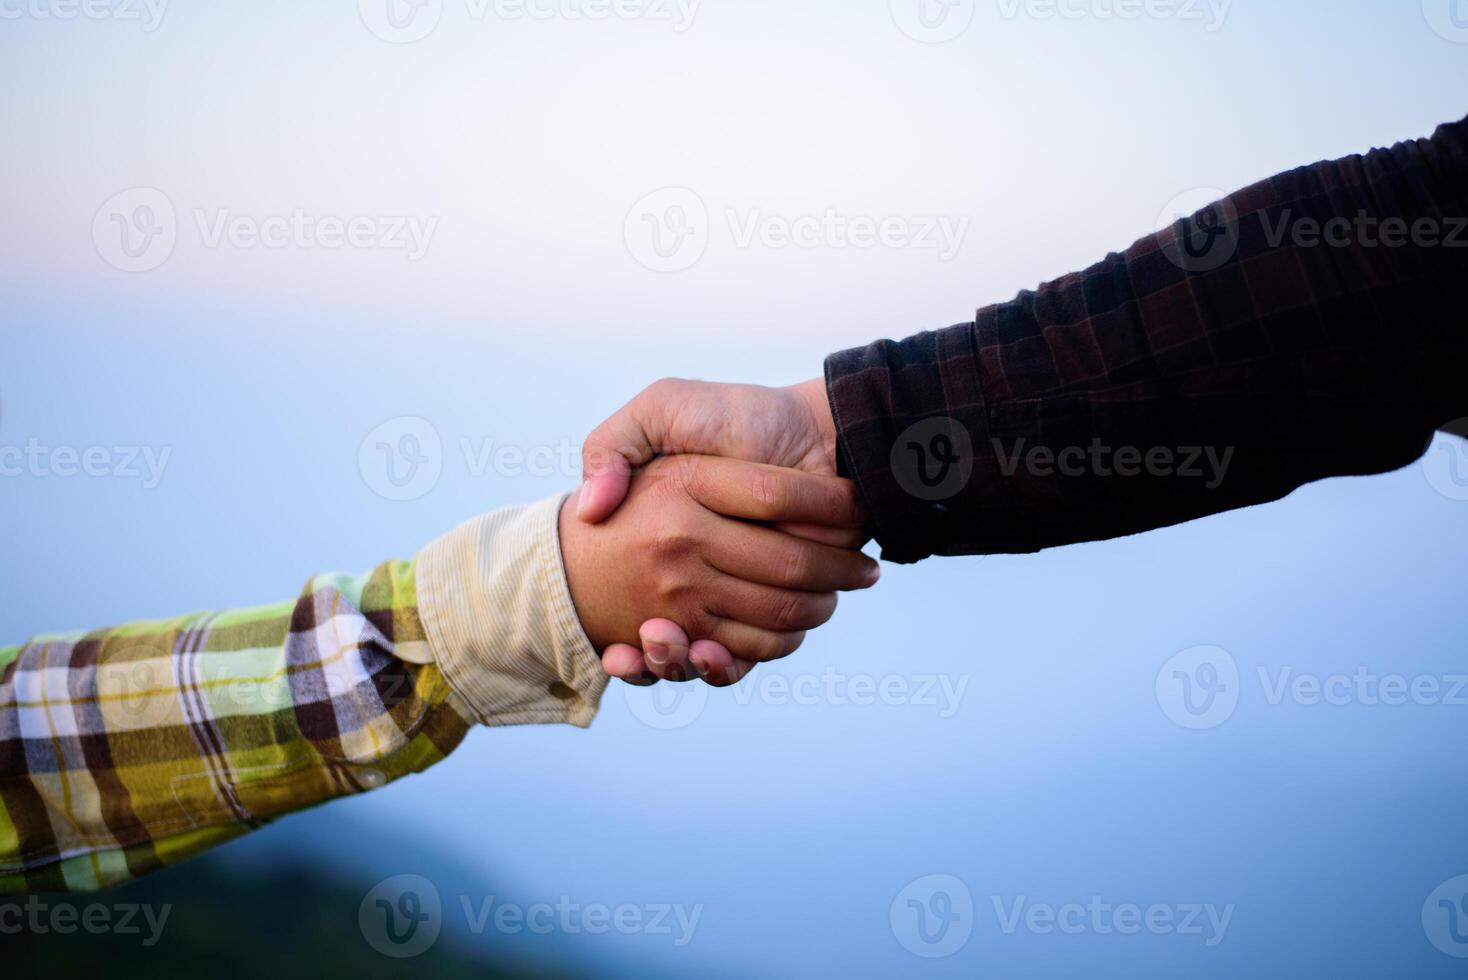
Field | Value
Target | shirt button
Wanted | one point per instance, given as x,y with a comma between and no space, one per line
372,778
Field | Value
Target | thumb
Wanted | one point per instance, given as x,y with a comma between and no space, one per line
635,436
609,455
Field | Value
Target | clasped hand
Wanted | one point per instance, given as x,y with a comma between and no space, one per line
711,531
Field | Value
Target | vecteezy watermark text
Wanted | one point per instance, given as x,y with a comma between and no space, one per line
403,916
406,233
1364,230
138,229
1201,687
933,460
668,707
403,458
1211,14
1100,918
40,461
935,916
670,230
409,21
40,917
147,13
1207,463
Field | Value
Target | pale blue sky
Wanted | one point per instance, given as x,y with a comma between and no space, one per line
1058,776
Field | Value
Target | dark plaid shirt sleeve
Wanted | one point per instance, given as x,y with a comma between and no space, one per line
1306,327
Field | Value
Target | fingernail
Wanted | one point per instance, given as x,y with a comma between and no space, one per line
656,653
581,501
874,575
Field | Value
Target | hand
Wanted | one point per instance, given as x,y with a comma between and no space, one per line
664,641
789,427
780,426
683,548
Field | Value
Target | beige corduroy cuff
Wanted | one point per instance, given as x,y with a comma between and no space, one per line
500,620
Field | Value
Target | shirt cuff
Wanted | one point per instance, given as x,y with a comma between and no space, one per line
912,431
501,623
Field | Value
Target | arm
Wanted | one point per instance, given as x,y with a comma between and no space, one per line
1049,420
1240,339
128,749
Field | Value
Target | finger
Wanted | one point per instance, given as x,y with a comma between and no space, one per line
604,489
756,492
665,650
719,667
778,610
764,555
625,663
836,537
751,643
631,438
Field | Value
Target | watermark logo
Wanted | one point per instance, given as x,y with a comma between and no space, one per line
1200,230
401,459
933,916
401,917
136,230
933,21
1446,462
667,707
933,460
1445,917
136,690
1201,688
673,706
1198,688
668,230
401,21
833,229
148,13
1448,19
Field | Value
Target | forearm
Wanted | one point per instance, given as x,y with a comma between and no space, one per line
1163,385
128,749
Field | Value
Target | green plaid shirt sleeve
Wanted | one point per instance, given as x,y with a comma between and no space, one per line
129,749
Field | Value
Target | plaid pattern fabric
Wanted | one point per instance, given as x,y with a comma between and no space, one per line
1073,412
128,749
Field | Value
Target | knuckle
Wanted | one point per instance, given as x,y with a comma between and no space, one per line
796,565
662,388
790,611
764,648
839,503
671,544
681,473
784,644
699,624
822,608
767,491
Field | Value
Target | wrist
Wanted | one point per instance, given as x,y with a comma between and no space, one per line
499,618
575,540
812,395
